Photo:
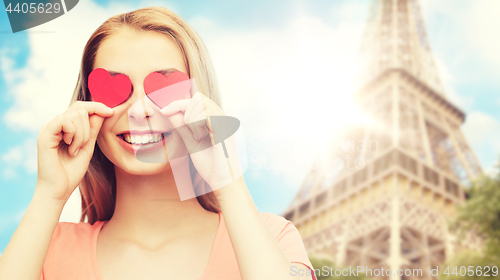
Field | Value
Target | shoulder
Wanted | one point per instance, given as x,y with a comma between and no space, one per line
66,229
73,234
273,217
289,240
274,220
70,250
277,224
68,233
70,238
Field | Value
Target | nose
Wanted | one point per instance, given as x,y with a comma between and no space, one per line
142,107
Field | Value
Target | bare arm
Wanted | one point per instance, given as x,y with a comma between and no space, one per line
60,170
259,255
24,256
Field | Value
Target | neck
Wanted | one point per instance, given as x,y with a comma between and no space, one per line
149,205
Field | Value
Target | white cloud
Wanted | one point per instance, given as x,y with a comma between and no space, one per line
448,82
351,11
14,156
480,127
470,29
9,173
483,25
24,156
483,131
31,159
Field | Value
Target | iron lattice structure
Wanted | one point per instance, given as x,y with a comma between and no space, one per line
409,169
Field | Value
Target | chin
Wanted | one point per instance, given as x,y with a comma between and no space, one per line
141,168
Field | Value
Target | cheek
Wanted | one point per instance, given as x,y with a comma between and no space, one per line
100,141
103,145
104,136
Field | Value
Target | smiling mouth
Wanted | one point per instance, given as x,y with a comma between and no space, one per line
143,139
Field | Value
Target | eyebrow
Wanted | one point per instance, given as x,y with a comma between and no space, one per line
161,71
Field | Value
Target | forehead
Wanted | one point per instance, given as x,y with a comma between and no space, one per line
137,53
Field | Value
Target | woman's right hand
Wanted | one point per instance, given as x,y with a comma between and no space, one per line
59,169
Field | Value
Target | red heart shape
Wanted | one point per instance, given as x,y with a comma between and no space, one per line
111,91
163,90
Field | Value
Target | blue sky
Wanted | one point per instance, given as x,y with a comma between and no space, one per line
259,48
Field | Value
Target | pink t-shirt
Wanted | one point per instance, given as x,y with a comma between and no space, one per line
72,251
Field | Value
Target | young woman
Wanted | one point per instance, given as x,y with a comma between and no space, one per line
134,224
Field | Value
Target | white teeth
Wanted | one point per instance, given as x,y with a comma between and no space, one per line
144,139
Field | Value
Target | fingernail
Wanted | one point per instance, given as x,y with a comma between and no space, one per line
109,109
76,152
70,141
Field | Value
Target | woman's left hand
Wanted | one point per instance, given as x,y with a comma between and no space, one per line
191,120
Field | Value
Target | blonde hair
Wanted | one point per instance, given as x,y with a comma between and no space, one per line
98,187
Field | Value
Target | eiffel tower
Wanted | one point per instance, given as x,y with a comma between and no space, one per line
384,201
